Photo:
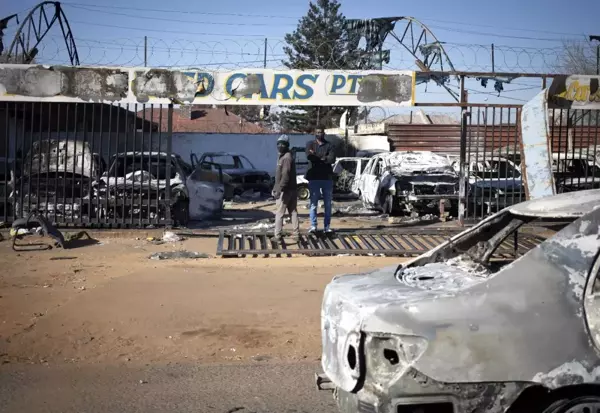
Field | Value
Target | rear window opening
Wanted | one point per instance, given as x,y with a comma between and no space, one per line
122,166
487,250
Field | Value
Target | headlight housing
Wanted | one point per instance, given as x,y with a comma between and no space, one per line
389,357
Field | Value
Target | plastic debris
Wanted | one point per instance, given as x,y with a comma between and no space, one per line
170,236
173,255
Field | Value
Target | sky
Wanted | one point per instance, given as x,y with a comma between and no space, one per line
528,35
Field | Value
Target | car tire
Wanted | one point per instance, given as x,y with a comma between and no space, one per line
303,192
576,404
180,213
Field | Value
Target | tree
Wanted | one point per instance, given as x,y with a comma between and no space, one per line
578,58
321,41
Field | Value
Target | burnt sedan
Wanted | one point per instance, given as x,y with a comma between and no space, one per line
55,178
240,174
464,329
408,181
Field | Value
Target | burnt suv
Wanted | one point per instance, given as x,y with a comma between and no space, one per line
471,326
239,173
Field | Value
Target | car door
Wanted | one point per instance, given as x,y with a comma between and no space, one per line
360,184
360,166
206,191
371,181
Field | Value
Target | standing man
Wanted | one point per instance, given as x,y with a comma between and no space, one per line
321,156
285,190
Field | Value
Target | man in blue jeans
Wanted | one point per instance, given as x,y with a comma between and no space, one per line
321,157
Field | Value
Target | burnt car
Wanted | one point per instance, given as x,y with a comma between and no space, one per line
56,178
346,170
575,171
136,183
470,327
494,184
239,173
6,184
408,181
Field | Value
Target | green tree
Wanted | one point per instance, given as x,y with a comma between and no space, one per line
321,41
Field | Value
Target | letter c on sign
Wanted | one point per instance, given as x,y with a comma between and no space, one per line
229,83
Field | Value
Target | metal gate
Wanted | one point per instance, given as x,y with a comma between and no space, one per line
493,155
493,172
88,164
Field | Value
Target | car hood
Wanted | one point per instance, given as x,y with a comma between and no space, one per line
353,304
238,172
501,183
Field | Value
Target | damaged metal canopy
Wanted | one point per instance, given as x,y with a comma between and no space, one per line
198,86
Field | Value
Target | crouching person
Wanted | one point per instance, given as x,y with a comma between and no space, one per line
285,190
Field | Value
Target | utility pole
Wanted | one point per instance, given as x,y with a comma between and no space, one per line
145,51
265,60
597,38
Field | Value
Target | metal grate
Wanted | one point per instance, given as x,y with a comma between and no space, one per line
77,163
363,242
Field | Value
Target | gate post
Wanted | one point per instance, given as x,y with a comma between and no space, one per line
462,188
168,193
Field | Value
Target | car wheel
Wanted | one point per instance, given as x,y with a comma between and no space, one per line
303,192
582,404
180,213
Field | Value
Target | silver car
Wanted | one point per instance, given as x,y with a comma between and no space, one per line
465,329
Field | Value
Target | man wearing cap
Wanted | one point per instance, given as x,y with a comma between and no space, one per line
321,156
285,189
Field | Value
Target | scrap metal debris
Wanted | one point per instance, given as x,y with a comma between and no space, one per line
174,255
23,226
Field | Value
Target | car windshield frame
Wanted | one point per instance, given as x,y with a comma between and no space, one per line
114,170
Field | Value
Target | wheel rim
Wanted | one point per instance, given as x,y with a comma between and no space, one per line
303,193
589,404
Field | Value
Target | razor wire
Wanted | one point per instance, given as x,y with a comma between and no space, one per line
235,54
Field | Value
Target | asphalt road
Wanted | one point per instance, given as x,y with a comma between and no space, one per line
258,388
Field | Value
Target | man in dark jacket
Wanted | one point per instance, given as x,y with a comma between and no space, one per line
285,190
321,156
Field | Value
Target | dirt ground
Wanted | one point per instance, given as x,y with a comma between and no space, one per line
109,303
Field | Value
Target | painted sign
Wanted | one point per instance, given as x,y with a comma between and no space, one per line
184,86
576,92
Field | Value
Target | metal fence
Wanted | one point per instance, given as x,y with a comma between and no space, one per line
87,164
493,155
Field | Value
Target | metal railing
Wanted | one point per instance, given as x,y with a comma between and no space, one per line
87,164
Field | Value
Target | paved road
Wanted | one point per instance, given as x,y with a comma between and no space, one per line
180,388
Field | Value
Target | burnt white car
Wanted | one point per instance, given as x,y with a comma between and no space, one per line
462,329
408,181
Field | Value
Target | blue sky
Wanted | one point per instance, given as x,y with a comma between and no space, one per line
528,34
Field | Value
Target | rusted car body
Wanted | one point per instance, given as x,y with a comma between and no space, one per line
136,185
408,181
460,330
55,178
